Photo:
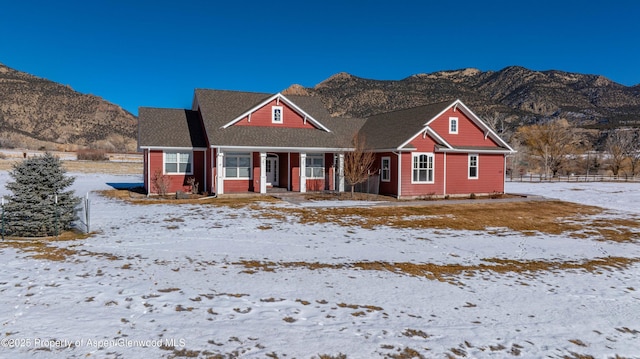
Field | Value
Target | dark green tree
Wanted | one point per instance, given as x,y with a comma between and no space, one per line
41,204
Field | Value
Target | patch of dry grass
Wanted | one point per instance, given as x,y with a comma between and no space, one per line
527,217
253,201
44,247
451,272
517,216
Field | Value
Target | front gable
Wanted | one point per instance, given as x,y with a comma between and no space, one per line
458,129
277,111
426,141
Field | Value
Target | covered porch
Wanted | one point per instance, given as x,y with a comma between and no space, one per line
238,170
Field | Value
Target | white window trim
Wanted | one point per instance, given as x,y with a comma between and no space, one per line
477,166
178,153
273,114
314,155
433,167
236,154
382,169
453,120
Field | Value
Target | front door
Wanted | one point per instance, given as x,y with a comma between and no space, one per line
272,170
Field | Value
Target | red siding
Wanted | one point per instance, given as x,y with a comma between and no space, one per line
422,189
295,172
422,144
178,182
391,187
330,177
490,174
262,117
490,167
145,171
468,133
283,167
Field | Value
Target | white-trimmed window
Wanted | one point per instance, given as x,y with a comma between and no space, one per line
385,169
276,114
314,165
422,168
237,165
453,125
176,162
473,166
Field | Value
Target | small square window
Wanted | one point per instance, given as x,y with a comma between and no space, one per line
178,162
314,165
237,165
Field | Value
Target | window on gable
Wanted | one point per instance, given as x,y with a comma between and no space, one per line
385,169
422,168
314,165
453,125
178,162
237,165
473,166
276,114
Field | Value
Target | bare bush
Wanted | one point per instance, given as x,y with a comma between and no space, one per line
193,185
91,155
161,182
357,164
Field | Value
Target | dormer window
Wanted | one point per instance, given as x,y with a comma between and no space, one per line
276,114
453,125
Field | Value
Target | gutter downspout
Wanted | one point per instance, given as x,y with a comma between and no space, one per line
214,175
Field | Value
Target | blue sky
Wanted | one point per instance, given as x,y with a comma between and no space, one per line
155,53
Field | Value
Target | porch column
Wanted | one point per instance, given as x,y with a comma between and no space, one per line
341,172
303,175
263,172
220,173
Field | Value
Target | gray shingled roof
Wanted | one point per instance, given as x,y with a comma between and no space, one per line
390,130
162,127
182,128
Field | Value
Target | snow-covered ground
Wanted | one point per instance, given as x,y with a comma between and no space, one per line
168,280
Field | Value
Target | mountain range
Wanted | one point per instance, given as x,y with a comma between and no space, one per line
524,96
38,113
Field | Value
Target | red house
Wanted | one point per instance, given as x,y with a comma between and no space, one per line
238,142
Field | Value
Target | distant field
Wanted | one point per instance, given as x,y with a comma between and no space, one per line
88,166
117,164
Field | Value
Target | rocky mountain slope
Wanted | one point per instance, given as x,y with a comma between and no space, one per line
38,113
516,93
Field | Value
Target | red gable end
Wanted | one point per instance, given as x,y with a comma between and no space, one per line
267,116
468,133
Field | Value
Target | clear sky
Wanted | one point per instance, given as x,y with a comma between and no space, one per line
155,53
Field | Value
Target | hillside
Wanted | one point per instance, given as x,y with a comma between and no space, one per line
38,113
517,93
